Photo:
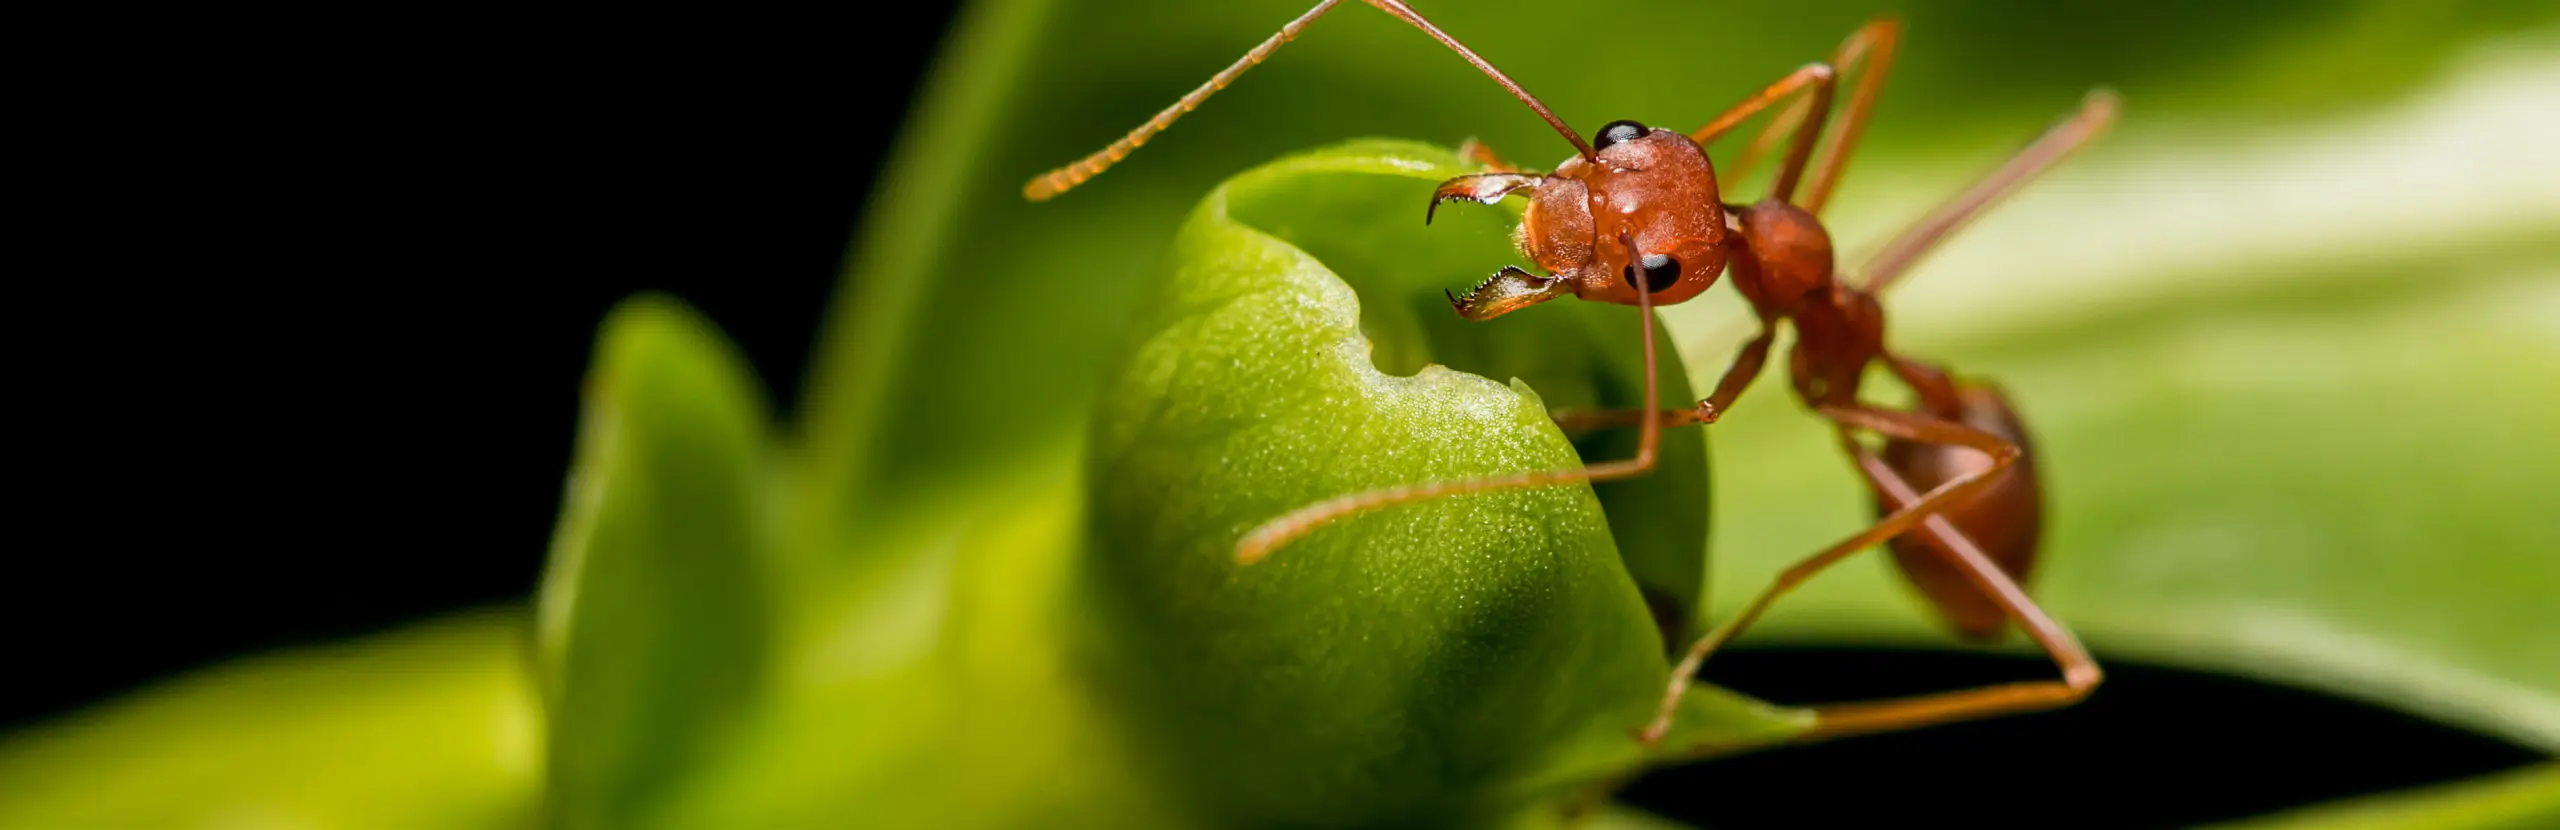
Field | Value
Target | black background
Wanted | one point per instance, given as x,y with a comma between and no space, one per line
308,320
309,314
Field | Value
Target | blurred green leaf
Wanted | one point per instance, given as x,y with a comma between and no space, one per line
651,608
2324,472
1619,817
2333,482
2525,799
436,726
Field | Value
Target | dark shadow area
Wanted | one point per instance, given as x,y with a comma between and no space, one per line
2154,747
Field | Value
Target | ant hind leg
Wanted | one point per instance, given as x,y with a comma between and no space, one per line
1912,512
2097,111
2080,672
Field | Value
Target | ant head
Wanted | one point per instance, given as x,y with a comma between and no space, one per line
1653,185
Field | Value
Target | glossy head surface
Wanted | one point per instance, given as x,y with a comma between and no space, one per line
1653,185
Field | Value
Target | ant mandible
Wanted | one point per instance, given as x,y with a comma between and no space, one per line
1635,218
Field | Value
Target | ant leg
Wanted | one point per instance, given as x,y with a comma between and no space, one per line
1904,425
1478,152
2097,111
1737,377
1048,185
1779,128
1817,80
1269,536
1913,426
1936,391
1817,75
1867,52
2080,672
1586,420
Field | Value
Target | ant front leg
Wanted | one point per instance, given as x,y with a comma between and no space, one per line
1816,79
1812,75
1269,536
1911,513
1484,156
1868,54
1737,377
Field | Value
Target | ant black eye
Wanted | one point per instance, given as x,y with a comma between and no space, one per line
1660,271
1618,131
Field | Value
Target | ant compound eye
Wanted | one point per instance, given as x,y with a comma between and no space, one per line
1660,271
1618,131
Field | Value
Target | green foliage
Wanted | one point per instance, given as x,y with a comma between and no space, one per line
1446,662
2328,481
652,605
2517,800
433,727
984,581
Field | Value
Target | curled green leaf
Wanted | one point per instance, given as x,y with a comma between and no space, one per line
651,633
1463,657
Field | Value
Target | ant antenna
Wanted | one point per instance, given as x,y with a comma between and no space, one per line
1049,185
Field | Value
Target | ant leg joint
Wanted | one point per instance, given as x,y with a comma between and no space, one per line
2082,679
1797,574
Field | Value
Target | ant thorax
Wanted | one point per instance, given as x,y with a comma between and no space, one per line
1654,186
1788,256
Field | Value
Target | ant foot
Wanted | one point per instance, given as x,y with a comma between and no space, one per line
1650,734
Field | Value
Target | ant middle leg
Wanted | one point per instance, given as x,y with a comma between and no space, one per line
1737,377
1935,389
1909,514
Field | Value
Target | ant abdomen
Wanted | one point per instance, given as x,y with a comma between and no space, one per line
2004,522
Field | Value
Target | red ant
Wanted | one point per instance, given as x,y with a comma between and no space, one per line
1653,193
